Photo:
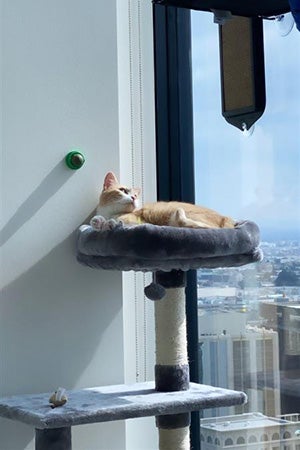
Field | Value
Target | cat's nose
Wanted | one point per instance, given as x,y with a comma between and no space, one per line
133,197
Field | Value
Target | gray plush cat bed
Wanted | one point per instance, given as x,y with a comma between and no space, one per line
163,248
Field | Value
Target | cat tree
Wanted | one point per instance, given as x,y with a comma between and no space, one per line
168,252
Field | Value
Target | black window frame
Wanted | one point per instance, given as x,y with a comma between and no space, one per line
175,145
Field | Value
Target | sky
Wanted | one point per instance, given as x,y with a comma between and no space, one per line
255,177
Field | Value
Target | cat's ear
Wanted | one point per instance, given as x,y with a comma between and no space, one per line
110,180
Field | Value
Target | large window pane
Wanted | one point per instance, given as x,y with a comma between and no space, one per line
249,318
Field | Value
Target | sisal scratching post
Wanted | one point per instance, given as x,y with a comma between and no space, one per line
174,439
171,369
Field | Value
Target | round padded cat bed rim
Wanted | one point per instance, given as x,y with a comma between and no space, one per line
150,247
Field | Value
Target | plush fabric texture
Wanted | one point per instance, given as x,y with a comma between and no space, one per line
119,402
150,247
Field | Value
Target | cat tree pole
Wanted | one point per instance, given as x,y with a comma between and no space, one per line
172,369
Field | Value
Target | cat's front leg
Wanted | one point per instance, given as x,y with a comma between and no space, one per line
179,219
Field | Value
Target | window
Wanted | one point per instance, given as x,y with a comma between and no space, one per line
228,441
251,313
240,440
247,178
275,437
264,437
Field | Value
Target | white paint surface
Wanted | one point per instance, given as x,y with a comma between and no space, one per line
60,323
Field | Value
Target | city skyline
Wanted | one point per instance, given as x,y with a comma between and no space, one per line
253,306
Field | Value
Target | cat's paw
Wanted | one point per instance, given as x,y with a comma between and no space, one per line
177,218
97,223
111,224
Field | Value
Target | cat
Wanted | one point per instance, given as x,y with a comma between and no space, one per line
120,203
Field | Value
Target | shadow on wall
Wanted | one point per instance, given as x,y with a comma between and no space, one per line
53,319
48,187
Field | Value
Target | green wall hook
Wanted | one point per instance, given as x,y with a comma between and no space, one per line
75,160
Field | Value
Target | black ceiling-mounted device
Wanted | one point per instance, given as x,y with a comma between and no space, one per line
241,53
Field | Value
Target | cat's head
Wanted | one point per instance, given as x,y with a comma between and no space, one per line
116,198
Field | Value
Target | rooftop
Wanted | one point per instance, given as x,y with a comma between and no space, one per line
242,422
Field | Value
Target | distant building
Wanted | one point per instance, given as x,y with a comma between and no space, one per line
221,321
207,292
252,431
285,319
246,362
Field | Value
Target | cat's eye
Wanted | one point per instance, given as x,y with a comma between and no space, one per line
125,190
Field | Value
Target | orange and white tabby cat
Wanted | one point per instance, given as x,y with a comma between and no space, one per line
120,203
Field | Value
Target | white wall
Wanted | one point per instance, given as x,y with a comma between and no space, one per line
61,324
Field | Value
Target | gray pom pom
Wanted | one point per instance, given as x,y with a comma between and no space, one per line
155,291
